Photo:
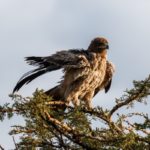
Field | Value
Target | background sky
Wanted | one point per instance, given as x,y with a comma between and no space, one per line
42,27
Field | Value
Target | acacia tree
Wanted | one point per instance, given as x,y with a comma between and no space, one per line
49,127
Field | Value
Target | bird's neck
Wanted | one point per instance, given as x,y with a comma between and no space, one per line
101,55
104,56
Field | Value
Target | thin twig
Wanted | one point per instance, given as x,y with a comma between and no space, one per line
55,121
126,102
1,148
56,103
15,143
140,93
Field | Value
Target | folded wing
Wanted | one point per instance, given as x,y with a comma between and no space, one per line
106,84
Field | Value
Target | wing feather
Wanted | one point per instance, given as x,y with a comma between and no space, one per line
73,58
63,59
106,84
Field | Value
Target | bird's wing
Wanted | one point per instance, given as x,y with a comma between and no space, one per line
72,58
106,84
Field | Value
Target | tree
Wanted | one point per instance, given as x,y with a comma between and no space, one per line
47,127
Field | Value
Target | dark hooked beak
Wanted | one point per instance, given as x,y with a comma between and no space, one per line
107,46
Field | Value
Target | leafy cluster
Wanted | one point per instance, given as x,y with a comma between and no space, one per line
52,125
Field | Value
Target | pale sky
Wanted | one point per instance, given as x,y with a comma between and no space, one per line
42,27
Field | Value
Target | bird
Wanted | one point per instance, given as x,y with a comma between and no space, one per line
86,72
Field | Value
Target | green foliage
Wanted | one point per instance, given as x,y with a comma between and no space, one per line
52,125
5,111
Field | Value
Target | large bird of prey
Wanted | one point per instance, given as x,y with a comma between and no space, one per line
86,72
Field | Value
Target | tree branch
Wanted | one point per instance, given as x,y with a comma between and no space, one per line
140,92
1,148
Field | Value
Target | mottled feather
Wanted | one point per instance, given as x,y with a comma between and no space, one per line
86,72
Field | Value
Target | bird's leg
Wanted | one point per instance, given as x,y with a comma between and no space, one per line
72,96
75,100
88,99
89,104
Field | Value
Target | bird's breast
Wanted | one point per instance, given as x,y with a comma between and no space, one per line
94,79
86,79
98,72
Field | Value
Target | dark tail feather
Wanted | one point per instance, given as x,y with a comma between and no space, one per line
37,61
55,93
28,79
31,75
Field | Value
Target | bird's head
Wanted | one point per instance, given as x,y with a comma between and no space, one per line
98,45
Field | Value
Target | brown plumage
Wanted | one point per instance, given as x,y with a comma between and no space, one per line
86,72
